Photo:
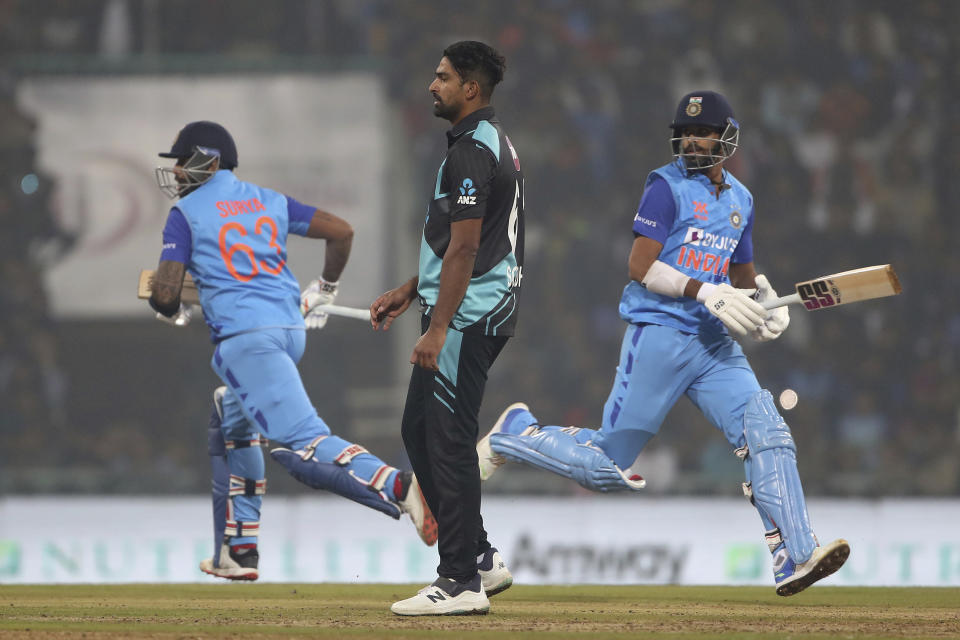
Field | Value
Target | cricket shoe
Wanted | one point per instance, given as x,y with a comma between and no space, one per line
446,597
494,573
490,461
236,563
412,502
793,578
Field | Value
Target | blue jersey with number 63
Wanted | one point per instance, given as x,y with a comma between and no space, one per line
235,247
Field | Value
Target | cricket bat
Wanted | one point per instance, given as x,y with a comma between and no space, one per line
190,295
834,290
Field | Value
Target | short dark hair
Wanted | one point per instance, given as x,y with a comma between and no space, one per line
474,60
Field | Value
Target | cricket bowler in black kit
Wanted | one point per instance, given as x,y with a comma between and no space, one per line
471,261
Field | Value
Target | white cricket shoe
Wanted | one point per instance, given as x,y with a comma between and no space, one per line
445,597
494,573
793,578
490,461
415,504
239,565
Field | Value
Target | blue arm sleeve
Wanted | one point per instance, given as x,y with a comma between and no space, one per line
744,251
299,216
177,239
656,212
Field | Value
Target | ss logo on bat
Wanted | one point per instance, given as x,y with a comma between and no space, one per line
816,294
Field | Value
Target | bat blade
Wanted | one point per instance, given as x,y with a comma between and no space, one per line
188,295
837,289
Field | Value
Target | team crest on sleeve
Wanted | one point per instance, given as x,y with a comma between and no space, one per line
735,219
467,192
695,106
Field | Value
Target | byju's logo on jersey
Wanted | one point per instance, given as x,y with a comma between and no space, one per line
466,192
694,236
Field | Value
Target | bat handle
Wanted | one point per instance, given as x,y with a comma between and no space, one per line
782,301
344,312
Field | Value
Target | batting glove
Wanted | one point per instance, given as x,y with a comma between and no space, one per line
739,313
181,318
777,320
318,293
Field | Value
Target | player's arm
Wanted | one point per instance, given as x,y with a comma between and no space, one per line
390,305
743,275
166,287
168,277
651,226
470,171
455,273
659,277
339,236
338,233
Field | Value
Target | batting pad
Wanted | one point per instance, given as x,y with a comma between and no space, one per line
559,452
772,472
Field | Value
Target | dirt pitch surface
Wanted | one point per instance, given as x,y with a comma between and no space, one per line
362,611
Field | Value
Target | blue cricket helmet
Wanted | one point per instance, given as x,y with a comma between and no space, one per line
208,135
705,109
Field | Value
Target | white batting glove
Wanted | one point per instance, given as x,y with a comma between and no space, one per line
777,320
318,293
181,318
739,313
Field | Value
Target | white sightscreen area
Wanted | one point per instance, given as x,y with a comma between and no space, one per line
317,138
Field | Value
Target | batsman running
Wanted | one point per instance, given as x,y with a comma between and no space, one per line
692,284
231,236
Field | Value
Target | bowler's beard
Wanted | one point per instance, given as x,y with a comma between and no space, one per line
445,111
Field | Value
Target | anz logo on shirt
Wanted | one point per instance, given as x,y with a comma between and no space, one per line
466,192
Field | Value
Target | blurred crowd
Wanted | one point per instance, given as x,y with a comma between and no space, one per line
32,382
849,114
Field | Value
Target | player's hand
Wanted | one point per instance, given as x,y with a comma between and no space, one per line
428,348
389,306
777,320
318,293
181,318
739,313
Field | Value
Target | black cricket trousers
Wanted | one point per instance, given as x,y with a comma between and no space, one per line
440,430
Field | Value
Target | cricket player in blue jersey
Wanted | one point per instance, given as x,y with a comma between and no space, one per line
231,237
692,284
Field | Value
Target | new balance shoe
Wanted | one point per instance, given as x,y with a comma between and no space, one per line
412,502
490,461
445,597
793,578
494,573
236,563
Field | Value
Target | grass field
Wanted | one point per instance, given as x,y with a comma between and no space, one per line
362,611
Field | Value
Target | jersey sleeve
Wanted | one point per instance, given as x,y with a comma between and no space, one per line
744,251
656,212
299,216
177,239
470,170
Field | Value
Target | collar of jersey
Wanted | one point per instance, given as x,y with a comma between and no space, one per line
221,175
469,123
